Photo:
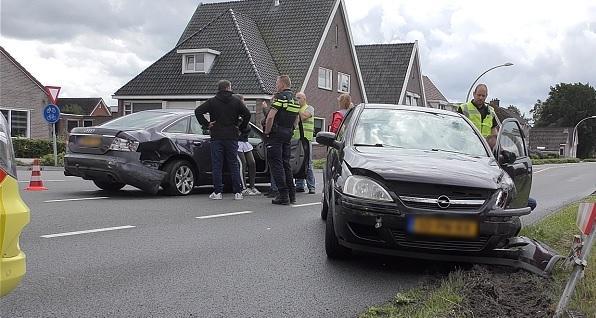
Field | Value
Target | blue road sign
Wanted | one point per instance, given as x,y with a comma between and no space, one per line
51,113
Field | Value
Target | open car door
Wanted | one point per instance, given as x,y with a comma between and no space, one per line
512,155
299,154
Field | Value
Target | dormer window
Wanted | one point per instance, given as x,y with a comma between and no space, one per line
197,60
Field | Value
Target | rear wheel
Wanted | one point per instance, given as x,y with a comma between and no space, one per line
109,186
180,179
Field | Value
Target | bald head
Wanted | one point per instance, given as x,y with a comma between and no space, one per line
480,94
301,97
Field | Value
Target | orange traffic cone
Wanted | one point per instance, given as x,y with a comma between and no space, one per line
36,184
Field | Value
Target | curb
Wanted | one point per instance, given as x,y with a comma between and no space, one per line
43,168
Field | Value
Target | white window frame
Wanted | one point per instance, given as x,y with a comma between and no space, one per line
328,80
339,78
323,128
9,120
195,68
411,98
130,111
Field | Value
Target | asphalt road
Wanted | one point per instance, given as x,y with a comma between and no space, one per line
160,260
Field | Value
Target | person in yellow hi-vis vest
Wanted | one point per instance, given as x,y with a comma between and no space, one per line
482,115
307,114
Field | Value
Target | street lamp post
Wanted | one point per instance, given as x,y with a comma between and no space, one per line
574,136
490,69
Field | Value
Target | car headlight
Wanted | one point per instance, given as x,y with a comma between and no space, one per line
121,144
501,200
366,188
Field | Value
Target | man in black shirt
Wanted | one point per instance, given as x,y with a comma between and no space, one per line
224,111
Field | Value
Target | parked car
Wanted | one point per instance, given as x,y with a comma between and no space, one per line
421,182
14,216
153,149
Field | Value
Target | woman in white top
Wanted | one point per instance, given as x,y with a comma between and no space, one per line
247,159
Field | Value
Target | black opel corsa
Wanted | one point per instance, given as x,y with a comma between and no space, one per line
421,182
155,149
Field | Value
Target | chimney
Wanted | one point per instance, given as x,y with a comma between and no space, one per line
494,102
276,3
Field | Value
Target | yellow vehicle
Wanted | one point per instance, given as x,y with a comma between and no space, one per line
14,216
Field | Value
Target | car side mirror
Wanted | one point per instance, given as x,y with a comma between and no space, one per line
328,139
507,157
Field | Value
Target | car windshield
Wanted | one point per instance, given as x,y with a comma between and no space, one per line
140,120
399,128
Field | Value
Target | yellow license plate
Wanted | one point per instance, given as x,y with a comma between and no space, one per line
443,227
89,141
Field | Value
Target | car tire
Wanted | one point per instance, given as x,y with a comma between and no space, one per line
180,178
109,186
332,247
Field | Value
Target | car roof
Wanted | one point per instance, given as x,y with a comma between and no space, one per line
171,111
406,107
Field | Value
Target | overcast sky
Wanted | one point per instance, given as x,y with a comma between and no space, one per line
92,48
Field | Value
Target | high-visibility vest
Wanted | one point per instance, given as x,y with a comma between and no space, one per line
485,126
308,126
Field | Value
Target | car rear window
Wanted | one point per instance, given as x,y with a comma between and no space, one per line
140,120
421,130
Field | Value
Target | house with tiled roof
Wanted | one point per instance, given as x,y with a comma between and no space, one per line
391,73
556,140
22,99
434,97
81,112
250,43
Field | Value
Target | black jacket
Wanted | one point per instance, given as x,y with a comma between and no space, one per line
224,109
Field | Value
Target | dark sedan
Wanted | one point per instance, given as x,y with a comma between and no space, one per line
153,149
420,182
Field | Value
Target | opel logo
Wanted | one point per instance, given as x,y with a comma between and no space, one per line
443,202
89,131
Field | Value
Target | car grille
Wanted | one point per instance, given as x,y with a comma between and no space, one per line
404,240
426,196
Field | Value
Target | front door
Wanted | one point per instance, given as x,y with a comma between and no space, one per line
511,140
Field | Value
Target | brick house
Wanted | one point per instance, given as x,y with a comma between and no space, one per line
245,42
81,112
391,73
434,97
552,140
22,98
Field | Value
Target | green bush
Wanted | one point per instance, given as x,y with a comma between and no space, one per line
318,163
589,160
552,156
554,161
48,160
35,148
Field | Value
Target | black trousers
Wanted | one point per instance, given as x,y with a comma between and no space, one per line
278,155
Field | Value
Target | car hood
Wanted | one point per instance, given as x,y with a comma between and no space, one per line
426,166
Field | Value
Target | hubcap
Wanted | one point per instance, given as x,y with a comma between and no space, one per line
184,179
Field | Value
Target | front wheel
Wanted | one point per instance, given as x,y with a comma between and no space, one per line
332,247
109,186
180,179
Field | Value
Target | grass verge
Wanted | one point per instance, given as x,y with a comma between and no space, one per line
447,297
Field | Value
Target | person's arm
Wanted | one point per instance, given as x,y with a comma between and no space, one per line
245,115
200,114
305,115
269,120
335,122
495,128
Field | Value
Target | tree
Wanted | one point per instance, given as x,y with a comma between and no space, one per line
565,106
74,109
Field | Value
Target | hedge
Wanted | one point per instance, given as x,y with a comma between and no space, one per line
546,161
35,148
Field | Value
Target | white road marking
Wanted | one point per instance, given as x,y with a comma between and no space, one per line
306,204
222,215
89,231
77,199
25,181
545,169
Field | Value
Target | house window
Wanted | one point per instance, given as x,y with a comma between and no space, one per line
416,99
127,108
194,63
325,78
18,122
319,124
87,123
562,150
409,100
343,83
70,124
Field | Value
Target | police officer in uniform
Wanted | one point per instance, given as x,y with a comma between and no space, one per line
279,128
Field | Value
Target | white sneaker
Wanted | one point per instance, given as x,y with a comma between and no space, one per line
215,196
238,196
247,191
255,191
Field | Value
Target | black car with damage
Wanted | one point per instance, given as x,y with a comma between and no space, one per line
156,149
421,182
